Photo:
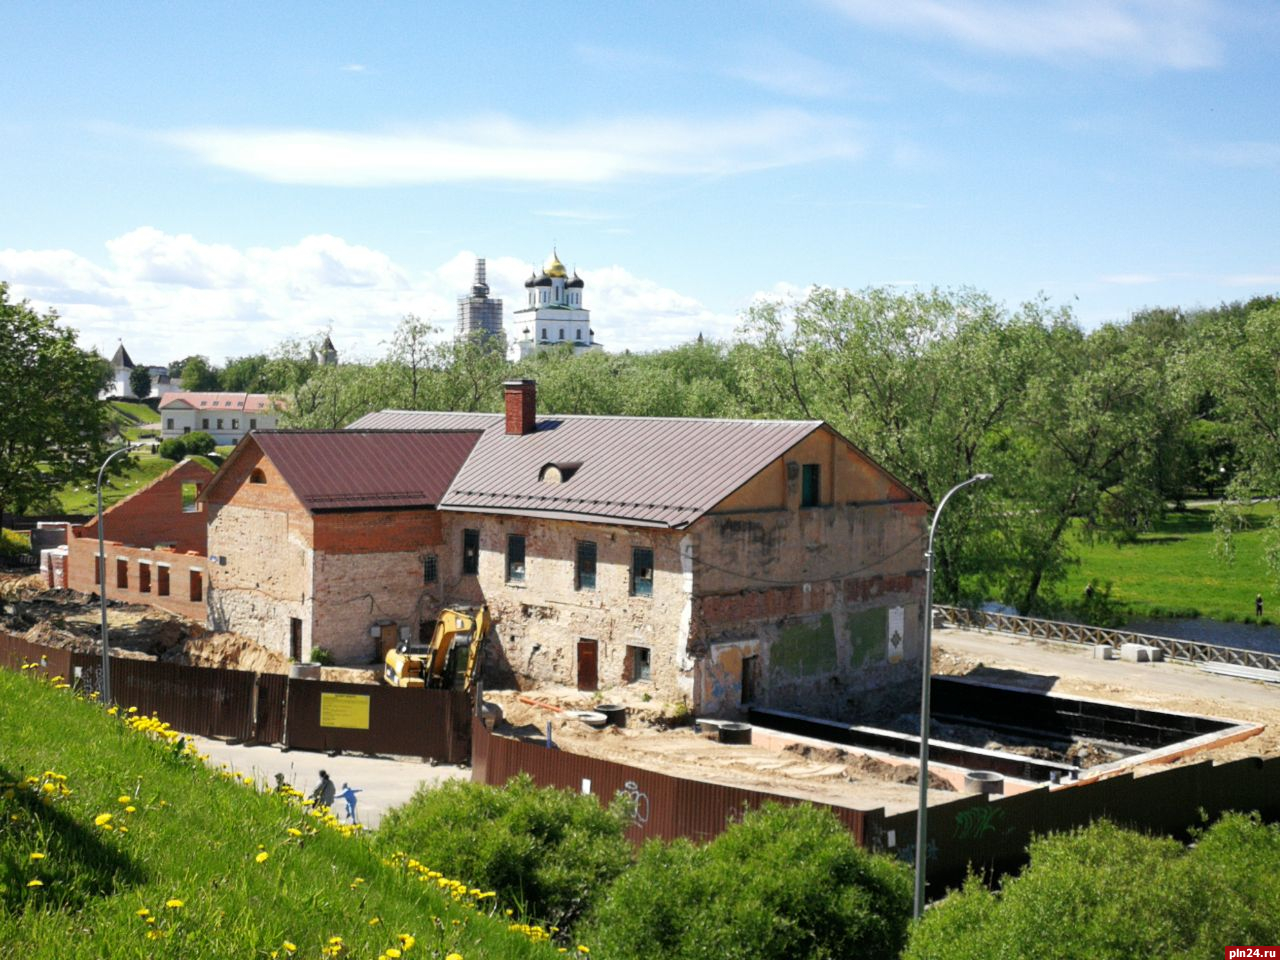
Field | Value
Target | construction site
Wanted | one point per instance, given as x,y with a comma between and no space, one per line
1026,713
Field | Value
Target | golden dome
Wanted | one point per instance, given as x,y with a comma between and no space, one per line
553,267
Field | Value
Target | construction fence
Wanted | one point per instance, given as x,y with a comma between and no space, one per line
988,835
269,708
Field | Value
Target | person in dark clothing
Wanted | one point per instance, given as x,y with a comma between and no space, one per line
324,791
1257,606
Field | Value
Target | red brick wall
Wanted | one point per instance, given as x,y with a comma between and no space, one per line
154,514
377,531
235,487
522,406
82,561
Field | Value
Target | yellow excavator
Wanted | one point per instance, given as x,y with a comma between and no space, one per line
449,661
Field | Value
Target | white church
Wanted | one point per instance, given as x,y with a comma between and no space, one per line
554,314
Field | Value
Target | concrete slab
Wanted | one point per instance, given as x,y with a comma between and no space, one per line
1104,652
383,783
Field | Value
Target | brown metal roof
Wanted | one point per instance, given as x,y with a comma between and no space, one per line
647,471
363,469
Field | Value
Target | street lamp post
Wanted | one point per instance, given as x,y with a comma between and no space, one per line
922,811
105,692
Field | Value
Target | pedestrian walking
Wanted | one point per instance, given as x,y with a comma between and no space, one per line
348,794
1257,606
322,794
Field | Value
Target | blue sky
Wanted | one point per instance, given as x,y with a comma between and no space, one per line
216,177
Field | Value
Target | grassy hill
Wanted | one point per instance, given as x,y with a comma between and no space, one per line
1172,571
118,842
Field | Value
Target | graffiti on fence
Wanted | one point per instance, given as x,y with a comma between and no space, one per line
638,801
978,822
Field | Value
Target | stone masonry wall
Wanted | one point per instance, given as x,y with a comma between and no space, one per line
540,621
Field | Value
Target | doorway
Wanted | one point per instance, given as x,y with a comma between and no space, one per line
295,639
588,651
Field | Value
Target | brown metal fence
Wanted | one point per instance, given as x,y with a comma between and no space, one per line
433,724
269,708
665,806
990,836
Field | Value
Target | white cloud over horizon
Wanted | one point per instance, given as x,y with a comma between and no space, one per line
1162,34
501,149
168,296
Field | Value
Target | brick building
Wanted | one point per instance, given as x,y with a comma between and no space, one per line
723,562
154,542
328,539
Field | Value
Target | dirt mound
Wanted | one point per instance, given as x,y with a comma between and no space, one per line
860,766
227,650
20,588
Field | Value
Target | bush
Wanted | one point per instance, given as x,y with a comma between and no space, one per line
198,443
550,852
786,882
13,544
322,656
172,449
1107,893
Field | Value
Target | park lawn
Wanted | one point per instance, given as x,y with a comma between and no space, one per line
81,498
118,843
1172,570
135,412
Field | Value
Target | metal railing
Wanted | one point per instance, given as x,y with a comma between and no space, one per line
1083,633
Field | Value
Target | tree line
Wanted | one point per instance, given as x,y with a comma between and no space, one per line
1088,433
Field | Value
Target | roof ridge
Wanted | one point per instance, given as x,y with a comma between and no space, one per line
595,416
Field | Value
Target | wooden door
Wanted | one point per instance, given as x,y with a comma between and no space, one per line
587,658
295,639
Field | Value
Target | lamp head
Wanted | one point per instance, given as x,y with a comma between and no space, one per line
982,476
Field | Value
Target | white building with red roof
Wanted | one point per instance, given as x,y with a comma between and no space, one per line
227,417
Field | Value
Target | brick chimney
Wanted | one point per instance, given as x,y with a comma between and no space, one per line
522,406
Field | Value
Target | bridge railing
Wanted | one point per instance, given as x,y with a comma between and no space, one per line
1084,633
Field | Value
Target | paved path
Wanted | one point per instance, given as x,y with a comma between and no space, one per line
383,783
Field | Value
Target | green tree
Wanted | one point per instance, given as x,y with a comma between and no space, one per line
1238,356
52,425
198,375
1104,893
787,881
140,382
249,374
412,348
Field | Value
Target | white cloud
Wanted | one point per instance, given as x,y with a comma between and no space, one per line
500,149
1130,279
788,72
1174,34
171,295
353,68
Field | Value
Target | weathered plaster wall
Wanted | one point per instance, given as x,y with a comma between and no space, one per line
828,598
356,591
539,622
262,536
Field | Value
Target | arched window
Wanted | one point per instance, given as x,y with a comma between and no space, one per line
257,476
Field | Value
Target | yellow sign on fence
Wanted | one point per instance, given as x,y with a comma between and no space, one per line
350,710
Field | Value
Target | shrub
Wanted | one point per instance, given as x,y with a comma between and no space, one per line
13,544
172,449
788,881
322,656
198,443
1108,893
548,851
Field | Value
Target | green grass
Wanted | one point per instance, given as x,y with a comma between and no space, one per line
142,470
1172,571
180,832
128,418
135,412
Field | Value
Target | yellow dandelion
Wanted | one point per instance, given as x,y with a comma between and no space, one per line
37,855
130,809
582,949
142,912
35,883
289,947
102,819
374,921
174,904
124,799
295,832
48,788
407,940
454,956
393,953
262,856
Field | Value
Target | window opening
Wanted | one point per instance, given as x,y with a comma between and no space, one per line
639,663
585,568
430,568
641,572
471,552
810,485
515,558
